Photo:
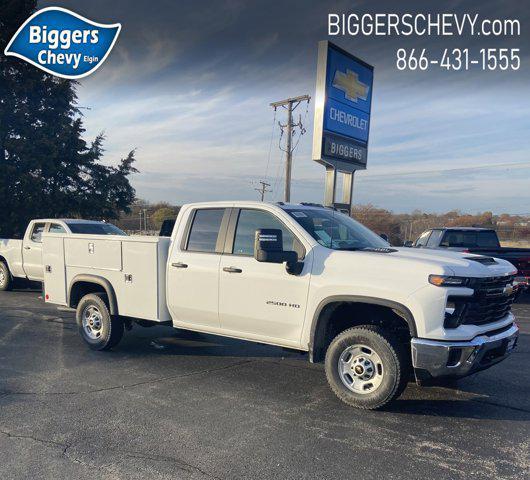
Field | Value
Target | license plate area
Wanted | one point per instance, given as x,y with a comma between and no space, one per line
494,354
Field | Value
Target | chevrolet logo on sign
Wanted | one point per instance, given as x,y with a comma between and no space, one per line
350,84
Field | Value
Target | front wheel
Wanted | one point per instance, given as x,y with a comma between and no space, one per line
6,281
98,328
366,367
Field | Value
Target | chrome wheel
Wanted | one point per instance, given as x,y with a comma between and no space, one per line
360,369
92,322
3,277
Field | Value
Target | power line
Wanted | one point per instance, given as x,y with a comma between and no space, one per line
270,144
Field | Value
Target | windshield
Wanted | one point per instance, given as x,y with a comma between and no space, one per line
336,230
95,229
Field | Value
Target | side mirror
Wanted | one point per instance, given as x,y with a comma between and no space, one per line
268,248
408,243
384,236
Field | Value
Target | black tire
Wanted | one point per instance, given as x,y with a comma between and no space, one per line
392,368
6,280
106,330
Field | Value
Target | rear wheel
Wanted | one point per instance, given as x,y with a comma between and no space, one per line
6,281
367,367
98,328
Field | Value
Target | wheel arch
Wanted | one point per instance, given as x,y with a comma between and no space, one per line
10,277
4,260
84,284
323,317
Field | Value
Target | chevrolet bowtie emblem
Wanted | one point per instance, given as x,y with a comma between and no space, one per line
350,84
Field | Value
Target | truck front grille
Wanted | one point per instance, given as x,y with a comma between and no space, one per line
491,302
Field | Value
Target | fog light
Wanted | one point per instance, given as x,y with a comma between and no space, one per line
455,309
454,357
450,307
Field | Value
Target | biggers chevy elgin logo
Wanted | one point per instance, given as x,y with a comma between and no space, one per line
63,43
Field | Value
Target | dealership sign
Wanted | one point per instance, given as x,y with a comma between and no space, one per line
342,110
63,43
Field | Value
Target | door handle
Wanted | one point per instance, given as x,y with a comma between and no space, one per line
179,265
27,248
232,270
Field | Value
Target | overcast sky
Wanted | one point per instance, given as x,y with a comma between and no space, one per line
189,85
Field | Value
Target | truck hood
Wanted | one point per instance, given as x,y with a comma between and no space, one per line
460,264
415,261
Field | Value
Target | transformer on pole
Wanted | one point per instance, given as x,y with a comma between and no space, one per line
290,104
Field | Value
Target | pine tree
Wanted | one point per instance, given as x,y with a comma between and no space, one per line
47,169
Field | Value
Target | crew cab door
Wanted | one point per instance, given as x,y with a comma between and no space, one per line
193,270
261,300
32,251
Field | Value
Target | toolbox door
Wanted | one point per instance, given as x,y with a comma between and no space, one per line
54,269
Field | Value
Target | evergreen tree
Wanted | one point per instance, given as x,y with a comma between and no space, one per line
46,167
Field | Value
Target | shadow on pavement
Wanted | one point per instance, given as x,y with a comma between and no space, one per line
463,408
168,341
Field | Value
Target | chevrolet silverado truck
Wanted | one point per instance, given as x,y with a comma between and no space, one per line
482,241
22,259
300,276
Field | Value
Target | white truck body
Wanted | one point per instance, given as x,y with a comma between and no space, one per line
24,257
229,292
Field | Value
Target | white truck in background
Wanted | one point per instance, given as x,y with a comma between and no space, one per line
299,276
22,259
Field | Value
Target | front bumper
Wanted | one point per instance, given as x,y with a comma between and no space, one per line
437,359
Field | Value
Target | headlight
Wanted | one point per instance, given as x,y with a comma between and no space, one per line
447,281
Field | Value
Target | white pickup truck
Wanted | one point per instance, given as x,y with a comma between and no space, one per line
299,276
22,259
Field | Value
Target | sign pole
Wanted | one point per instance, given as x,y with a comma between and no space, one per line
347,191
331,183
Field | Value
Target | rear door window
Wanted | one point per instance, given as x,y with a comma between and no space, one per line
205,230
56,228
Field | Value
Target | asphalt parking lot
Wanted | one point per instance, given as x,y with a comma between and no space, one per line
170,404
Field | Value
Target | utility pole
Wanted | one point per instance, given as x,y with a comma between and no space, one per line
290,104
263,190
